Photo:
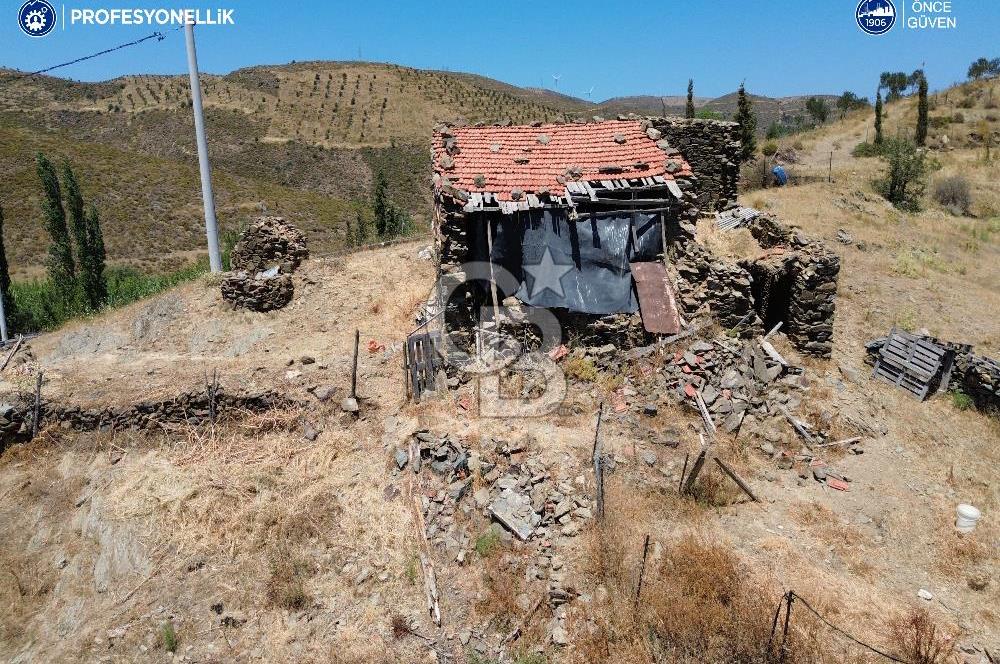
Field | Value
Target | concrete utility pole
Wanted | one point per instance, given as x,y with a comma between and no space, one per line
211,228
3,321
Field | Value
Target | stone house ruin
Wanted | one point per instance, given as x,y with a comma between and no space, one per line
596,222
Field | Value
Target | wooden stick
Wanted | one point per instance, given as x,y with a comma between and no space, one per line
642,570
13,350
775,355
736,478
773,330
801,430
680,486
427,567
516,632
38,405
695,469
846,441
709,424
354,371
598,466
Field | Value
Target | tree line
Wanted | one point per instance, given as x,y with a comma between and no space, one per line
76,257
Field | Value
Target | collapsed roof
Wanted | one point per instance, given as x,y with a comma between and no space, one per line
526,164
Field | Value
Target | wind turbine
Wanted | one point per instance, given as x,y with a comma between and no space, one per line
589,92
556,78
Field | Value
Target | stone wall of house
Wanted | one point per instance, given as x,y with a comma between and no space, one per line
812,271
724,287
192,408
712,148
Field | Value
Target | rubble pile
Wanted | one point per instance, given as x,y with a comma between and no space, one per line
264,257
712,148
737,379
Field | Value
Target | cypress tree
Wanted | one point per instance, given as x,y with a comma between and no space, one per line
878,118
689,108
77,226
95,286
381,206
8,301
748,125
921,136
60,265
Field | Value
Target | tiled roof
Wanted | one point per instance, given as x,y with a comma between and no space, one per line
536,158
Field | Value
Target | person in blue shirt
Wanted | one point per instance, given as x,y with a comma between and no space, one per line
780,176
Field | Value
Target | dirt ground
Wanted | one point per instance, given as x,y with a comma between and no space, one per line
256,544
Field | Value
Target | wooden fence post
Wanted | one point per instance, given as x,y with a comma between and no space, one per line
354,370
38,405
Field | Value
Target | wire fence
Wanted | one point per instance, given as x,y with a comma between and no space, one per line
786,603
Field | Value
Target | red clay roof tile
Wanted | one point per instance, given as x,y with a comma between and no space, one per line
588,147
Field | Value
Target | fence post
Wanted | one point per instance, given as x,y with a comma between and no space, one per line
784,632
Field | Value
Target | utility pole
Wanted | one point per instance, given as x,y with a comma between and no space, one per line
3,321
211,228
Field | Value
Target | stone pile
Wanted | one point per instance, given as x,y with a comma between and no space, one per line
191,408
736,379
267,242
712,148
264,257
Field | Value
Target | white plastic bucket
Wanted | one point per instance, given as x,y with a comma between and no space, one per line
966,518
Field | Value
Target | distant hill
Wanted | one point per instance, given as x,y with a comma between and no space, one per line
304,139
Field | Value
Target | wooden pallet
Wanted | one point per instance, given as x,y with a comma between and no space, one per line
421,360
910,362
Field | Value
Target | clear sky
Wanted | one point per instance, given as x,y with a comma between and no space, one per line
618,48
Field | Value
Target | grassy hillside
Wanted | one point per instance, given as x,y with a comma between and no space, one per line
304,138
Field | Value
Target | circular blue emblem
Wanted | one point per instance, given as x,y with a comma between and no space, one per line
37,18
876,17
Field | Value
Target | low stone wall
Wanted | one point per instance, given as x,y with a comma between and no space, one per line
725,287
189,408
257,291
978,377
712,148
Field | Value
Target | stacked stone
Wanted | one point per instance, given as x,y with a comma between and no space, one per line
268,251
261,291
979,378
187,408
267,242
712,148
814,270
724,287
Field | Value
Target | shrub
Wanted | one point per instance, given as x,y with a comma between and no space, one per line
580,368
961,400
755,174
967,102
487,543
769,148
917,639
866,150
953,191
904,179
957,118
168,636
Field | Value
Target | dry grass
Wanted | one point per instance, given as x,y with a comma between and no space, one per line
286,584
917,639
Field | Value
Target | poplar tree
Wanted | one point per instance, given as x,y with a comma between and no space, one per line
878,118
689,108
8,301
95,287
60,266
748,125
921,137
77,223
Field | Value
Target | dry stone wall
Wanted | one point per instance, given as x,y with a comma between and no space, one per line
268,251
712,148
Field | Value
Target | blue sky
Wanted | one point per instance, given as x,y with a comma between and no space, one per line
619,48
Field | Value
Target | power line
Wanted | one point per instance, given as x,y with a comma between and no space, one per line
159,36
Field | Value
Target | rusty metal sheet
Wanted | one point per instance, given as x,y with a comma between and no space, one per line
656,298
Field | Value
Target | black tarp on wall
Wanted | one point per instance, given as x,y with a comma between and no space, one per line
580,265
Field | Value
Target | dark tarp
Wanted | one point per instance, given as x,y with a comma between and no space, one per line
586,267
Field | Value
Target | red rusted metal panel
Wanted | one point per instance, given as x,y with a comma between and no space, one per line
656,298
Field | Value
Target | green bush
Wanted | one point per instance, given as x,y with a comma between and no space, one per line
905,175
953,191
39,309
866,150
961,400
769,148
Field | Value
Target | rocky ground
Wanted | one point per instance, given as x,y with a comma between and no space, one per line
307,533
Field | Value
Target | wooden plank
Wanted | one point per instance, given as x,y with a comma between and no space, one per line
736,478
775,355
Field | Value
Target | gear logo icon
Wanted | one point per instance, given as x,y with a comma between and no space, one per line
36,18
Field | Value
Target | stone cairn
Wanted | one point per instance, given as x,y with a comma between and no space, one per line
264,257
